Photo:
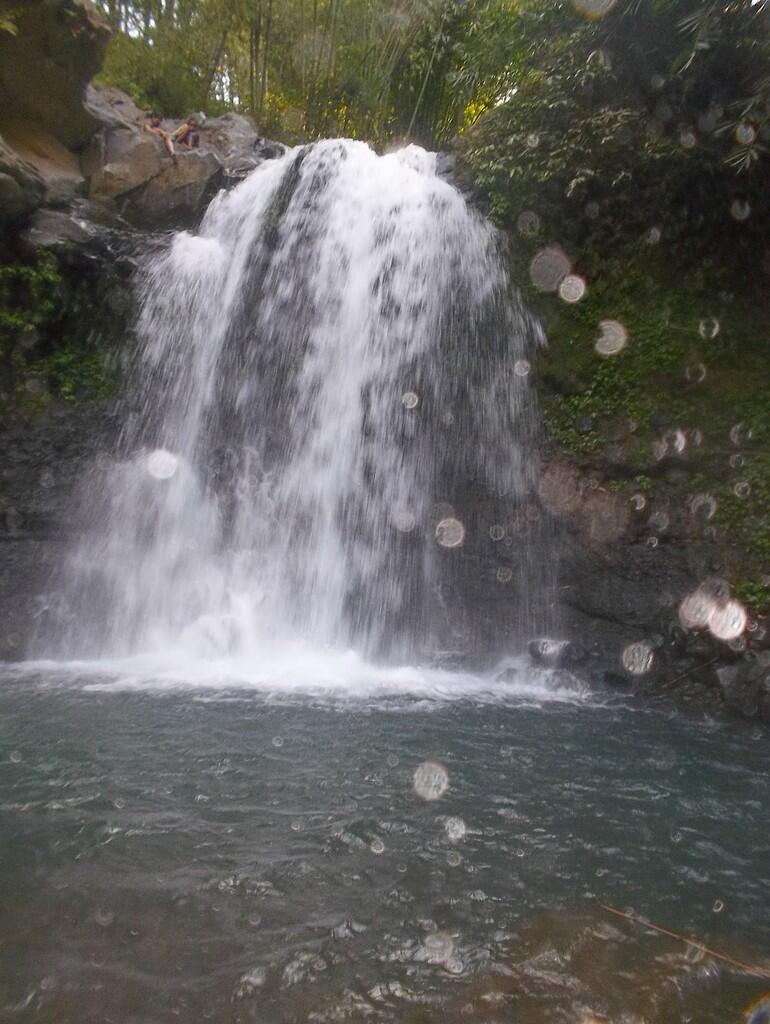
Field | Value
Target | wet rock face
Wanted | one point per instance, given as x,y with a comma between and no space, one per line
620,587
21,185
43,463
45,67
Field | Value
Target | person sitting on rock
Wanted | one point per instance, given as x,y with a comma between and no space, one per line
155,129
188,134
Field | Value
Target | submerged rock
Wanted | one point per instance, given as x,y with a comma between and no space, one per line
556,653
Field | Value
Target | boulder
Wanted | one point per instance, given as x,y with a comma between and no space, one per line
128,160
178,195
44,67
21,186
556,653
58,168
56,230
112,108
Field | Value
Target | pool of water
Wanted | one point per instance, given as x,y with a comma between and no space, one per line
241,850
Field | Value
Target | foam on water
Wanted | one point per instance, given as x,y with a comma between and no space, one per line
298,671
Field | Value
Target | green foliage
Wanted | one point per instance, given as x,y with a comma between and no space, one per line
755,594
47,337
157,78
8,22
75,371
644,119
28,296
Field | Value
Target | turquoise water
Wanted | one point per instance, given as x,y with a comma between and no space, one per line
227,853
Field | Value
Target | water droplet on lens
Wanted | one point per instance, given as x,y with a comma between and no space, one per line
504,574
404,521
455,829
548,268
438,947
659,521
695,374
572,288
740,434
377,846
613,338
696,608
392,761
676,441
687,139
654,235
430,780
496,532
742,489
528,223
638,658
521,367
409,400
103,918
728,621
659,449
15,756
119,804
745,134
708,328
450,533
296,825
703,505
277,741
676,837
718,906
533,140
162,464
652,542
740,210
453,859
657,82
637,502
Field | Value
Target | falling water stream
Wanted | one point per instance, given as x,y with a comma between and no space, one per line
241,780
319,368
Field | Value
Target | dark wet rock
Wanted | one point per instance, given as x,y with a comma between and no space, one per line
57,167
557,653
55,229
112,108
617,680
21,186
178,195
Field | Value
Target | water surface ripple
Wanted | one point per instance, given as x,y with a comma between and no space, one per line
240,854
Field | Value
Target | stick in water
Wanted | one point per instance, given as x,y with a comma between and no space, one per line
760,972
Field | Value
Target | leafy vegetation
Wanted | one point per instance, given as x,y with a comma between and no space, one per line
46,349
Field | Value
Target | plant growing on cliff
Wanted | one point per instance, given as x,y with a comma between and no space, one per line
28,296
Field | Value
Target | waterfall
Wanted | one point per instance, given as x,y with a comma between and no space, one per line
321,373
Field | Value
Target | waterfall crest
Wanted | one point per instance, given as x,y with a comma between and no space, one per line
318,371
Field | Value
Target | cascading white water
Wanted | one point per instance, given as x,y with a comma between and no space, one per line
326,362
